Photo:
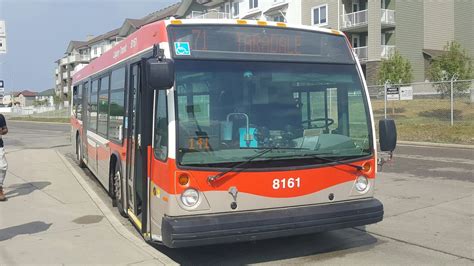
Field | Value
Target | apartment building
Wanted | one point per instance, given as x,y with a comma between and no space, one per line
80,53
418,29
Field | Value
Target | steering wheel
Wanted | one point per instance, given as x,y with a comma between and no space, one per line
328,122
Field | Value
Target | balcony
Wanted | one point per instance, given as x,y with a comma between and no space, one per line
363,52
358,21
210,15
387,51
65,75
387,17
74,58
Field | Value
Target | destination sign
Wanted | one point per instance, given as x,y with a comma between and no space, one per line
252,42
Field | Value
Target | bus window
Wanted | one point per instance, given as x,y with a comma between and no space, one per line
117,101
92,115
161,131
103,105
79,102
74,100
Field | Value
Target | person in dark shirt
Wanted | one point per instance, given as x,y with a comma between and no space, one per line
3,160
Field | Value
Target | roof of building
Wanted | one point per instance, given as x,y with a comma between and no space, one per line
74,45
433,53
26,93
134,24
105,36
49,92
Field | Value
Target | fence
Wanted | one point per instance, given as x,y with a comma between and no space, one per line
50,112
428,110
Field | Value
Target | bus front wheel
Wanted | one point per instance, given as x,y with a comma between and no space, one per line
118,199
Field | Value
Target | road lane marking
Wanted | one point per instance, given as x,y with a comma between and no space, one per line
435,159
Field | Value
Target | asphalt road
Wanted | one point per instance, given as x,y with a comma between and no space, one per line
427,193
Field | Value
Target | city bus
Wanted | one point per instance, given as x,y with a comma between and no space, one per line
219,131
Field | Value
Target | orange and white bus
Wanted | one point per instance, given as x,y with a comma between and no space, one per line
219,131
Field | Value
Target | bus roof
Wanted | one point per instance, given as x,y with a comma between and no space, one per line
155,33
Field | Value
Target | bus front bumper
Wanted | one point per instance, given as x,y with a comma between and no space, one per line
255,225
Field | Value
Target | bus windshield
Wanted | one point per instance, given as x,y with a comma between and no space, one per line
229,111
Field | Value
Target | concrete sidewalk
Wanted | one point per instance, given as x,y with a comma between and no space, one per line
49,217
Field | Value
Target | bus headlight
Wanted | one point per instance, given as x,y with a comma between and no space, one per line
190,197
362,183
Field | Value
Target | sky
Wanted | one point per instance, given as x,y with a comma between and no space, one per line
39,31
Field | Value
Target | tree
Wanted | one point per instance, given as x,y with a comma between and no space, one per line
396,68
455,61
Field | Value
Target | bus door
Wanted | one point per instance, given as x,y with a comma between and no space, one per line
135,159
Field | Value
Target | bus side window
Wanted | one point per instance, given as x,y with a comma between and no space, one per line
79,102
74,100
103,105
117,104
93,98
161,126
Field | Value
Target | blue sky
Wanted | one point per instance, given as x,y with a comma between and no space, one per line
39,31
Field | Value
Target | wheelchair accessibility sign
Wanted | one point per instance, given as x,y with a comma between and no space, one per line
182,48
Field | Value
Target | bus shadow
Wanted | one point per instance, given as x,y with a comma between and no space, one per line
323,245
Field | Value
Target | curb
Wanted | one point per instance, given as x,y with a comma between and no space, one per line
116,224
434,144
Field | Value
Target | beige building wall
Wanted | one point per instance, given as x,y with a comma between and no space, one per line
307,11
410,35
464,24
438,18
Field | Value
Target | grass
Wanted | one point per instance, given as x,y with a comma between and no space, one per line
41,119
428,120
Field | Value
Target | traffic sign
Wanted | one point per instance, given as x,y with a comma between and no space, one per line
3,32
393,94
3,45
406,93
3,38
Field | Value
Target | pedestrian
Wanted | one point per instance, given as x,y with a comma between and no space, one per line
3,160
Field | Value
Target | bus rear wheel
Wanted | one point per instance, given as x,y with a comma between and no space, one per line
79,153
118,199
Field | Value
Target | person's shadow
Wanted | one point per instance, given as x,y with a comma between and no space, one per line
17,190
23,229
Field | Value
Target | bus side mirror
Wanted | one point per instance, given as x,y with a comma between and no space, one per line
387,135
160,74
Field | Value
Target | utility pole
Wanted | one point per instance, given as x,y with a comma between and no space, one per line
453,79
385,87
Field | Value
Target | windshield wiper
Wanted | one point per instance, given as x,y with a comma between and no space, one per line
317,156
214,178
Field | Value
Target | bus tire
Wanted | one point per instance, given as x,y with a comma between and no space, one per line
118,199
79,153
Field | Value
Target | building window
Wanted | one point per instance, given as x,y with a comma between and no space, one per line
320,15
227,8
279,18
253,4
235,9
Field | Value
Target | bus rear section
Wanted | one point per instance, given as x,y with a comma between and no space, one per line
267,132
